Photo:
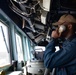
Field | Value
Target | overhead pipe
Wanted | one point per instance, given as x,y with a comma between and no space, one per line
21,2
27,19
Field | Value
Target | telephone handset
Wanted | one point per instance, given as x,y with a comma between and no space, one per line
62,28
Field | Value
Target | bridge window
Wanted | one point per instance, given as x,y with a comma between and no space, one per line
4,45
19,47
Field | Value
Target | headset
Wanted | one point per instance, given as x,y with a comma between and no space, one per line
62,28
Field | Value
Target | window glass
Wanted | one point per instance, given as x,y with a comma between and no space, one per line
28,47
19,47
4,45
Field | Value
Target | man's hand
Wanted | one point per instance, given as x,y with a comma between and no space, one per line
55,34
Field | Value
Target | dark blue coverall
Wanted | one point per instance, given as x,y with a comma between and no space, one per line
64,60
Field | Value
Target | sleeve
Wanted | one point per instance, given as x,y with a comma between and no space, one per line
60,58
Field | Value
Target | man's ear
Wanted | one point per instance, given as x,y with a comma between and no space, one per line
70,26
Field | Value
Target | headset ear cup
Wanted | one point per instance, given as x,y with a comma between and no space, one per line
62,28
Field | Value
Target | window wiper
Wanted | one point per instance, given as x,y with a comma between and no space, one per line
4,38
